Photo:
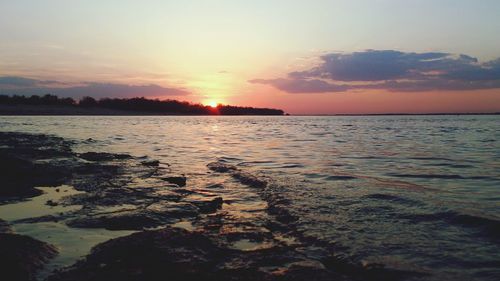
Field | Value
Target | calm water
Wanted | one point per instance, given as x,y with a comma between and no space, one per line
419,193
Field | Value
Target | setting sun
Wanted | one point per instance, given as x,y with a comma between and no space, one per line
212,103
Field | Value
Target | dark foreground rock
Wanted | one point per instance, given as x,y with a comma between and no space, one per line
24,163
176,254
152,197
178,180
153,215
22,256
4,227
243,177
103,156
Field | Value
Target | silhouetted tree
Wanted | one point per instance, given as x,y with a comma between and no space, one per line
141,104
87,102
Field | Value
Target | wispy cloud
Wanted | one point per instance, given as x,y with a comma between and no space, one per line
391,70
28,86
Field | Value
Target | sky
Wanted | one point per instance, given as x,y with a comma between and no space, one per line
306,57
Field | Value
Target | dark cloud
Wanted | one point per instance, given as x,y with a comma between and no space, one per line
13,81
302,85
391,70
27,86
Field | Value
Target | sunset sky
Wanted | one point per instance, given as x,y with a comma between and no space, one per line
306,57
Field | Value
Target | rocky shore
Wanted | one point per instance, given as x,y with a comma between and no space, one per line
237,228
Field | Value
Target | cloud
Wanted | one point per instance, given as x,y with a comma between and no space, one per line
301,85
391,70
13,81
28,86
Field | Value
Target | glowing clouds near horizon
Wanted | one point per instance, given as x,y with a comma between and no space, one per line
390,70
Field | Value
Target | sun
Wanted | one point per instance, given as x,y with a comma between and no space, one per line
212,103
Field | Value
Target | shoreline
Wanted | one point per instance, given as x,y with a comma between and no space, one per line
48,110
225,226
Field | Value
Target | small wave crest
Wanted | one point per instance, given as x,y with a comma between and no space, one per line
439,176
488,226
391,198
243,177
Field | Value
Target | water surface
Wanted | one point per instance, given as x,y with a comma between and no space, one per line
418,193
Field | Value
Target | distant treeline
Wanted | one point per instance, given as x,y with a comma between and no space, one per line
138,105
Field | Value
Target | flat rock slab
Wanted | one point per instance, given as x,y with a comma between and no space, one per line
178,180
22,256
177,254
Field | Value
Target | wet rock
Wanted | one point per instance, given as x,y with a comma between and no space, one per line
173,210
47,218
19,176
51,203
209,206
22,256
102,156
244,178
215,185
178,254
129,220
304,270
154,215
249,180
29,160
221,167
14,179
5,227
171,253
151,163
178,180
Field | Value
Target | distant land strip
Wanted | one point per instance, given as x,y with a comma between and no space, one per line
54,105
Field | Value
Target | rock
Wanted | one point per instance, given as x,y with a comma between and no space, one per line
166,254
19,176
209,206
14,179
22,256
249,179
178,180
102,156
215,185
221,167
51,203
128,220
177,254
5,227
154,215
173,210
244,178
151,163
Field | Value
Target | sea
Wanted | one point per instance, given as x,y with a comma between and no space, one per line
413,193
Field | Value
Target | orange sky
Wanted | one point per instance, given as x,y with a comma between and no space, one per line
380,102
208,51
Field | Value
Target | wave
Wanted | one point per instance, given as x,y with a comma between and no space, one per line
340,178
458,166
391,198
488,226
431,158
243,177
440,176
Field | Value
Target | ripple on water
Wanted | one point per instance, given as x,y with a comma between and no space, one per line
490,226
414,190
